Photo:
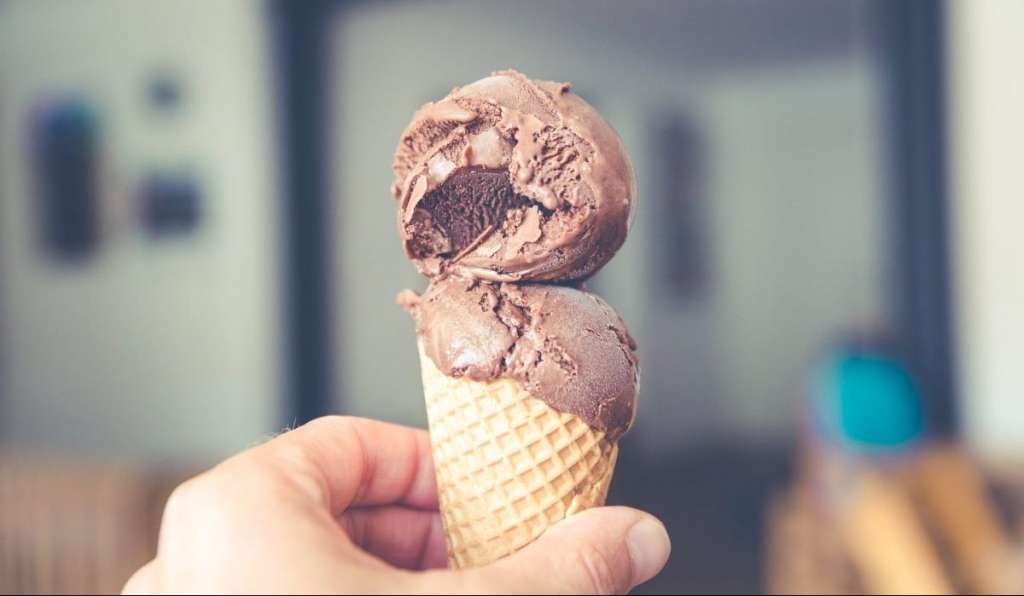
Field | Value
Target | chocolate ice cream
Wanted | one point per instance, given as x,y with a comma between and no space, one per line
511,192
509,179
566,346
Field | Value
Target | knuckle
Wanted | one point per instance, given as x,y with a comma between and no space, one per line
198,521
189,498
598,573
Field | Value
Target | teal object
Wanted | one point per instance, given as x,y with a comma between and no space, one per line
869,402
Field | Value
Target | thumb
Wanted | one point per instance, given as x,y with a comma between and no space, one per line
607,550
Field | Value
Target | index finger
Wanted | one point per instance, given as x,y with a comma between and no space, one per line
350,462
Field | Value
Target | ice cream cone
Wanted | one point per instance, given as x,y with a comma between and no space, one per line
508,465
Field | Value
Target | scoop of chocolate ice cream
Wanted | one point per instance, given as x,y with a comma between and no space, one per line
509,179
566,346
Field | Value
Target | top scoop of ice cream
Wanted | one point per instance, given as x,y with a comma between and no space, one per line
509,179
566,346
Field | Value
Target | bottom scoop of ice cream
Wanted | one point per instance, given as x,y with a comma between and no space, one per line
567,347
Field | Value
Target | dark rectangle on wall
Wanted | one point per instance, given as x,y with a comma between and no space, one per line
680,160
65,141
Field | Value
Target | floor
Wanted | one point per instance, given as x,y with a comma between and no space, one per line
713,501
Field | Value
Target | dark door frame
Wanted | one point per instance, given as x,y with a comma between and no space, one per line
911,43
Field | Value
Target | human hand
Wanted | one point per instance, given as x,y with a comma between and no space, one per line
350,505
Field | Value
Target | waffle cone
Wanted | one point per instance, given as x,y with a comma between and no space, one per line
508,465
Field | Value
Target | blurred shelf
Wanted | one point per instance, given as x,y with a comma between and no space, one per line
75,527
936,521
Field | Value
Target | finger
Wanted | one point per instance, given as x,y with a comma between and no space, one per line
608,550
406,538
356,462
142,581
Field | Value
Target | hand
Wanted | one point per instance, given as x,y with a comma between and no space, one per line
350,505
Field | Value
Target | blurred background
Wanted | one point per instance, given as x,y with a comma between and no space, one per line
197,250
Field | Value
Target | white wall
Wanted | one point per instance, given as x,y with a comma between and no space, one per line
799,216
787,102
156,350
987,157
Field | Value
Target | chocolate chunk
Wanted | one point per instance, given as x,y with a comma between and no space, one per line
466,204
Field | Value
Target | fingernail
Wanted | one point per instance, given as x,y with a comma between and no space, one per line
649,548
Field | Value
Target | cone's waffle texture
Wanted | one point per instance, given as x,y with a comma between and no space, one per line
508,465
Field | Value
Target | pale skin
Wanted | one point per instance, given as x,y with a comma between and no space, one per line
349,505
